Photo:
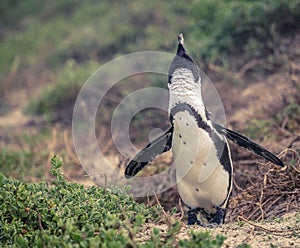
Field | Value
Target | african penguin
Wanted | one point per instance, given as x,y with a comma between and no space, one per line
200,149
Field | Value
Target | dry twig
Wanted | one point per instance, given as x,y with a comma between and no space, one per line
281,232
273,191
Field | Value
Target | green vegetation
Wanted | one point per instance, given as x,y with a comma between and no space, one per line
47,36
243,245
260,129
64,89
20,164
288,118
66,214
202,240
24,155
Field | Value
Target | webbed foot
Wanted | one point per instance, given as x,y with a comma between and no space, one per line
218,217
192,217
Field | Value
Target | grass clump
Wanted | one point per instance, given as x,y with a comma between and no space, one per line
289,117
20,164
22,155
63,90
260,129
243,245
195,239
202,240
252,27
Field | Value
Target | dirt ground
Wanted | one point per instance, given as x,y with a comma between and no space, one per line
283,232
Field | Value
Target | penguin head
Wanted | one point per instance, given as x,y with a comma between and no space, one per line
183,60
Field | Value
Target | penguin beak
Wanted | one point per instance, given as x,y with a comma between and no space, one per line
181,39
180,50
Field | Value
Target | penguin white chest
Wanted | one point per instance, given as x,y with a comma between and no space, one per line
201,179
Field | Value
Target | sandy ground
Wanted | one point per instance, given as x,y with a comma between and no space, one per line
283,232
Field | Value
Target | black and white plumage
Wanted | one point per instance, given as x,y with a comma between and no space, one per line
201,152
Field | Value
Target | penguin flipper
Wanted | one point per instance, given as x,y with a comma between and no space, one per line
158,146
247,143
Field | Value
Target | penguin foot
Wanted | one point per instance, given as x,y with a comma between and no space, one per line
218,217
215,220
192,218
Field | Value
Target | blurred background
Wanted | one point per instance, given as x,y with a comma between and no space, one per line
249,49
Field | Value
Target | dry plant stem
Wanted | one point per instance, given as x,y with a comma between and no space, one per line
51,148
105,180
273,191
261,197
237,186
128,227
157,200
249,65
39,220
268,207
181,209
280,232
68,147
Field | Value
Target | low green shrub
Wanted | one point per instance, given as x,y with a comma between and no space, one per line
41,215
66,214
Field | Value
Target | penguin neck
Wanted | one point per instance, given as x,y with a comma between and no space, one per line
184,89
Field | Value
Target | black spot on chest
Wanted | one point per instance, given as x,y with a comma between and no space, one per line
186,107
